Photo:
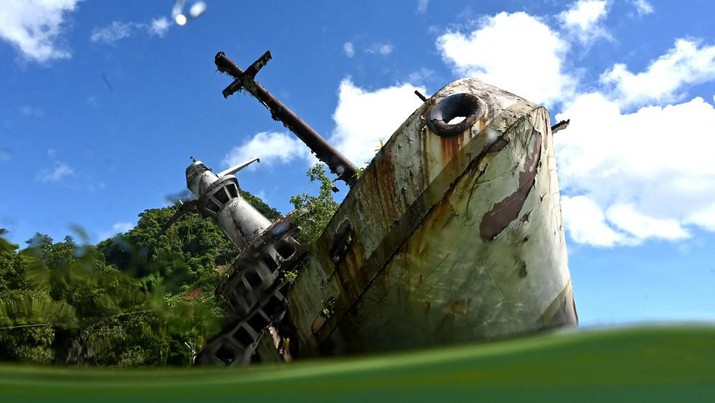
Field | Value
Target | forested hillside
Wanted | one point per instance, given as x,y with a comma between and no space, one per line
142,298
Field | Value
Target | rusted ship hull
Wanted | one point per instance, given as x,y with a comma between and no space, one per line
453,233
446,237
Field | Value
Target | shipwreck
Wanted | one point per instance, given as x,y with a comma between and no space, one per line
453,233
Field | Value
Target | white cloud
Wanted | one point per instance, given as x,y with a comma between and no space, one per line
586,222
117,31
584,20
34,26
703,217
364,118
56,174
374,48
422,6
270,147
643,6
686,63
640,226
381,48
646,174
349,49
498,53
113,32
159,26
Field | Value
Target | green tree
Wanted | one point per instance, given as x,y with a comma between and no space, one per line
318,210
28,323
145,297
13,269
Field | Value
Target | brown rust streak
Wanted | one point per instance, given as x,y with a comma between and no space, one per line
450,146
386,187
507,210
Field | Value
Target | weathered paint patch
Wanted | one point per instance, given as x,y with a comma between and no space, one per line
506,211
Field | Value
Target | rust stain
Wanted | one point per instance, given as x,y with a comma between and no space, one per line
450,146
483,121
459,307
507,210
386,186
353,264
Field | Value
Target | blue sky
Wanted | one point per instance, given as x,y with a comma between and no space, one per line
102,103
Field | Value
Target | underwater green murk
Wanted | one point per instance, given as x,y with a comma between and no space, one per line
664,363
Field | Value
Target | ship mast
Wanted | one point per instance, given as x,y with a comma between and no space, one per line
335,160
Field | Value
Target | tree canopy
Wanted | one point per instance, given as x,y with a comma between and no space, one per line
141,298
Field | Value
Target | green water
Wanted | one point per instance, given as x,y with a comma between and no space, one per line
654,364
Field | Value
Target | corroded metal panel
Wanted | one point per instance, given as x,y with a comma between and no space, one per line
443,238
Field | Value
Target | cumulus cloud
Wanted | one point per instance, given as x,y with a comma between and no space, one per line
497,53
117,31
584,20
687,63
586,222
630,177
34,26
56,174
364,118
271,148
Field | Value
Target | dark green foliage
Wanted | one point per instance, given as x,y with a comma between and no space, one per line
28,319
142,298
62,303
12,268
318,210
184,257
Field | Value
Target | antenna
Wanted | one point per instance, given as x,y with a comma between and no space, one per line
335,160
